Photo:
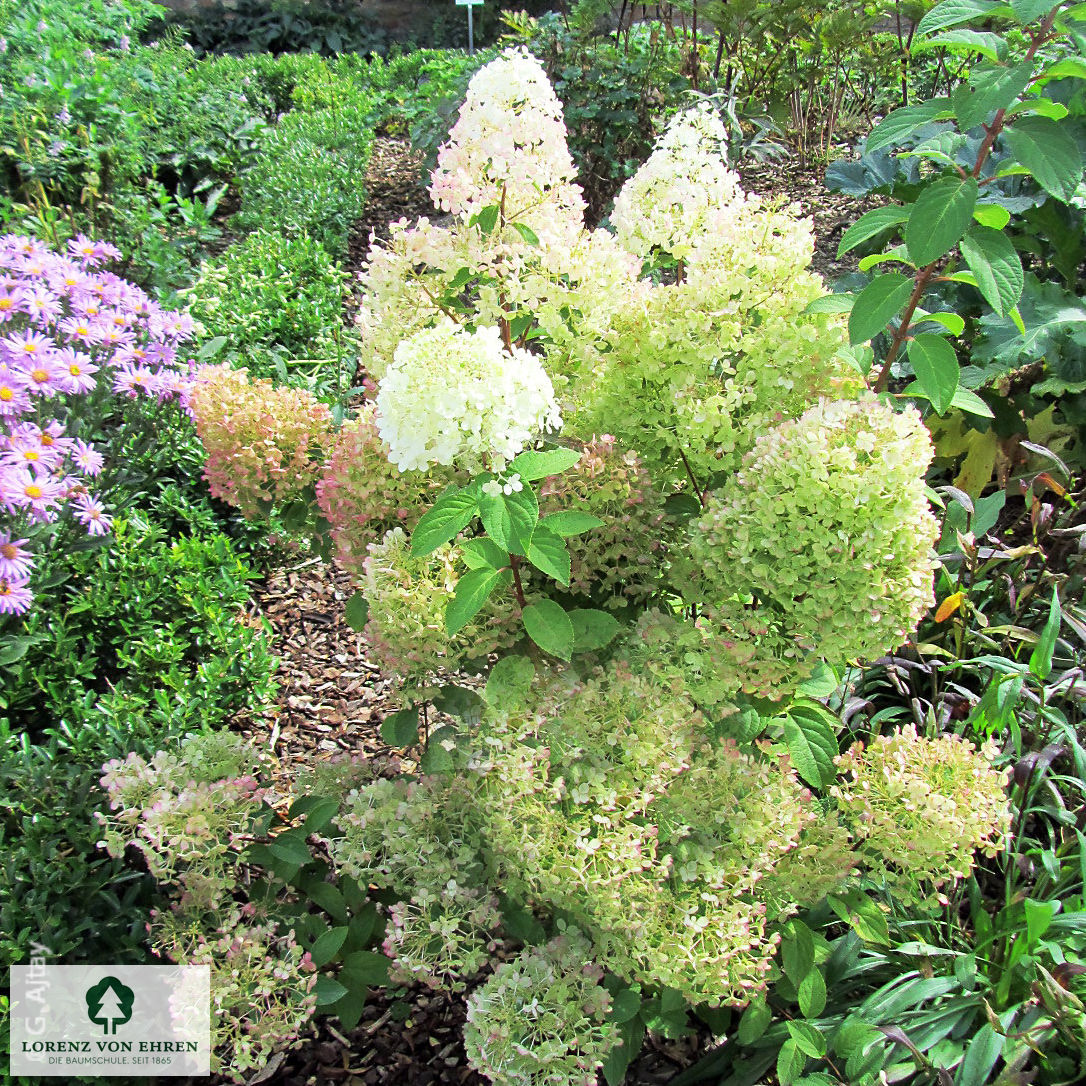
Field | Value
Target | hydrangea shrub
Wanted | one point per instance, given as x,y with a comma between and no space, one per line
644,777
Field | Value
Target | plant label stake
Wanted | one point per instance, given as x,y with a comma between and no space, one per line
470,5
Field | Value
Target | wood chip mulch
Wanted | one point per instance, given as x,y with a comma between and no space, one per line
332,701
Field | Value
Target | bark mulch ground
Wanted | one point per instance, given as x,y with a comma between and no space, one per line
332,701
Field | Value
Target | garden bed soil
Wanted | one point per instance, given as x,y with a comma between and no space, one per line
332,702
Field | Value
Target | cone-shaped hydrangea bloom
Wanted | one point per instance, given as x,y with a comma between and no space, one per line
508,147
667,204
827,525
456,397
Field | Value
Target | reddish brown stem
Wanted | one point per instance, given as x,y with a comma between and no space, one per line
514,562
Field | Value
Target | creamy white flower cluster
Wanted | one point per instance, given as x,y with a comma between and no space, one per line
510,138
668,203
456,397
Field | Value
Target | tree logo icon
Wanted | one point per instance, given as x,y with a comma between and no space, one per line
109,1004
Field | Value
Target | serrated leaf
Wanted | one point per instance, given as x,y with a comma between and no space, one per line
483,553
951,13
790,1062
550,628
328,946
969,402
571,523
988,89
451,514
472,592
1027,11
987,44
952,322
807,1038
401,729
487,219
533,465
548,552
357,612
461,702
812,994
877,304
902,123
1067,68
592,629
812,746
291,848
898,254
936,367
992,215
871,224
1047,150
797,951
625,1004
995,265
509,680
510,519
941,215
754,1023
831,303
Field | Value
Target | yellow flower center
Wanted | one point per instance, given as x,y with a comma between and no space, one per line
47,439
40,375
74,369
33,491
6,303
6,394
9,550
30,454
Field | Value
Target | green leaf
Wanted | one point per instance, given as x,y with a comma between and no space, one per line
472,592
625,1004
1067,68
509,681
951,13
812,994
822,683
831,303
328,991
365,968
790,1062
1027,11
936,367
487,219
520,922
510,519
808,1039
483,553
1040,662
900,124
754,1023
989,45
869,923
401,729
329,898
870,224
812,746
461,702
995,216
1039,916
357,612
526,232
592,629
451,514
969,402
995,264
988,89
349,1009
571,523
797,951
550,628
941,215
1047,150
981,1056
953,323
328,946
290,847
548,552
875,306
532,465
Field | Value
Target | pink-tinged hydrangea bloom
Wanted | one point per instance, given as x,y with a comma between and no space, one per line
16,563
15,597
508,147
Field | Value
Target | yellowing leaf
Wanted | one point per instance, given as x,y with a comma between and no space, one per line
949,606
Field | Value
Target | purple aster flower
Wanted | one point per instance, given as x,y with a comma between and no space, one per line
91,513
15,597
79,370
85,457
133,380
39,494
14,398
11,298
16,563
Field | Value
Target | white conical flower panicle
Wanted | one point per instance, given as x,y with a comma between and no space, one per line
666,206
510,139
456,397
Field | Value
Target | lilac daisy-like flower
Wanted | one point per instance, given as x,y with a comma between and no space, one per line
15,597
42,305
44,375
79,370
39,494
10,302
52,436
90,512
133,380
27,346
14,398
87,458
16,563
80,329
